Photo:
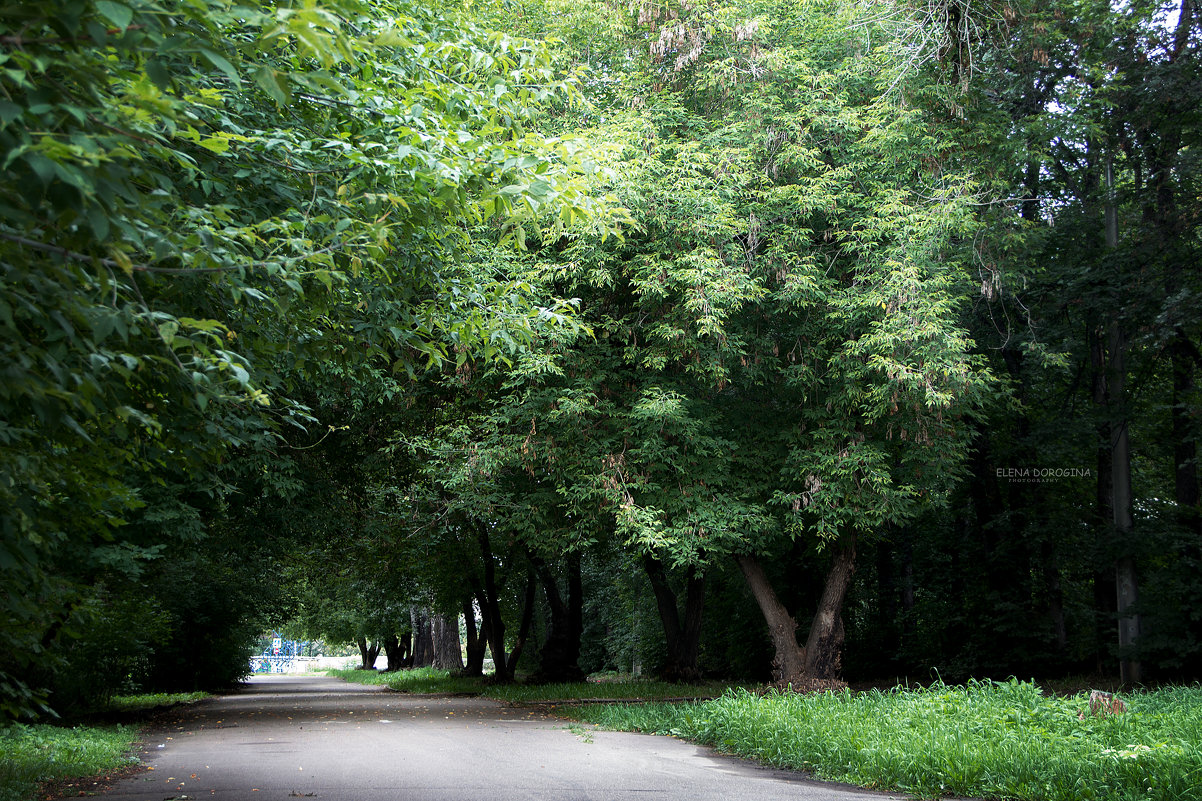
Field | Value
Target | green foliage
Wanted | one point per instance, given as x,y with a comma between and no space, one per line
985,740
200,201
38,753
264,323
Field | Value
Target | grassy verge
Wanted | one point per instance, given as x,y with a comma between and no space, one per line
591,691
418,680
429,680
986,740
40,753
150,701
35,755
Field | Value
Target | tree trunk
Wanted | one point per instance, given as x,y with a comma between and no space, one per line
368,653
560,655
394,652
683,641
789,663
362,643
523,628
1185,358
476,642
1120,470
1105,589
423,639
824,646
447,649
493,631
1125,578
493,623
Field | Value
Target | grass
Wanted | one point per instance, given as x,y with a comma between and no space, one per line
35,754
431,681
985,740
39,754
589,691
424,681
149,701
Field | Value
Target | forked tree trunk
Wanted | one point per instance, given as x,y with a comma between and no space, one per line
368,653
821,658
789,662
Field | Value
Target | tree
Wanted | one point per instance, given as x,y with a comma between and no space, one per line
199,202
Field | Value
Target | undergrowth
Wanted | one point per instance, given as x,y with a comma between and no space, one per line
985,740
32,754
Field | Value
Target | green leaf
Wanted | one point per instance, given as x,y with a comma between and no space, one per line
157,72
9,111
220,62
215,144
119,14
273,84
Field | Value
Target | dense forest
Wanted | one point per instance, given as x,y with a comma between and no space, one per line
796,340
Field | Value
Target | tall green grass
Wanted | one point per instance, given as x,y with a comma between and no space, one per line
985,740
30,755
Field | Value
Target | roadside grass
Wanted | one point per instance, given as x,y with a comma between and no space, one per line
32,755
148,701
422,681
985,740
432,681
591,691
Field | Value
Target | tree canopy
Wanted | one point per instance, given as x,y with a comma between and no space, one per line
556,314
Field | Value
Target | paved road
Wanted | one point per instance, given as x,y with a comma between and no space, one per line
287,737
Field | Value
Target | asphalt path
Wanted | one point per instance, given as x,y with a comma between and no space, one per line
286,737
